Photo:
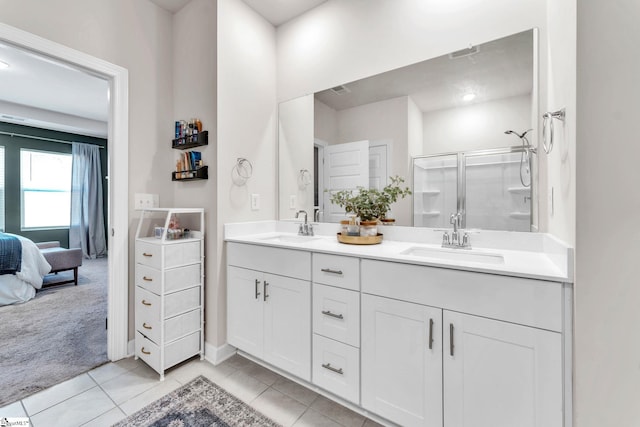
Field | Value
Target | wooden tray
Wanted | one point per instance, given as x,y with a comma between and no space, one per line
360,240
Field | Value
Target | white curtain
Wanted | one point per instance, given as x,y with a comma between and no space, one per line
87,218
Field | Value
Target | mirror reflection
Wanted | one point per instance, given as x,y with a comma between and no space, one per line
454,127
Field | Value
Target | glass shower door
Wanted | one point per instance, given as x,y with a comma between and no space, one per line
435,192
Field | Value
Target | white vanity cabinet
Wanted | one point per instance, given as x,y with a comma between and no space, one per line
169,294
493,360
269,305
402,361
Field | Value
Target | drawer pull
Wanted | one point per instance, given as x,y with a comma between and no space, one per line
265,296
144,325
332,369
257,292
430,334
451,346
328,270
330,314
145,352
144,302
146,254
147,279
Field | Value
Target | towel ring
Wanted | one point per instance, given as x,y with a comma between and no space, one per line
304,178
244,168
548,117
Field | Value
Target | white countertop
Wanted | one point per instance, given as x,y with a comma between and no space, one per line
538,256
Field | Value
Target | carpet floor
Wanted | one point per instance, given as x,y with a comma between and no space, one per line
57,335
199,403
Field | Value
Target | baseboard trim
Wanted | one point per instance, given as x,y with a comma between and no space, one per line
217,355
131,348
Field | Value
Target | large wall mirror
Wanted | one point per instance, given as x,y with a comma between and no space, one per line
455,127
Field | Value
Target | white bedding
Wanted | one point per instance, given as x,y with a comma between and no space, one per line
21,287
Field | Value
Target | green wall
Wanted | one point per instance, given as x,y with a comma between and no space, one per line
12,146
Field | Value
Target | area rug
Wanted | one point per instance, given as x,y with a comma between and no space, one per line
199,403
56,336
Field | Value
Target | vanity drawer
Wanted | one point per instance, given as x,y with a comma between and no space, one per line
529,302
148,303
336,314
336,270
174,279
336,368
161,256
284,262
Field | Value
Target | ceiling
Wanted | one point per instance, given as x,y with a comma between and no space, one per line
280,11
500,69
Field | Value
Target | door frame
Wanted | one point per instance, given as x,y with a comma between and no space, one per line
118,173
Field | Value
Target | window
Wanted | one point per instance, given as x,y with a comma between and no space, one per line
1,188
45,180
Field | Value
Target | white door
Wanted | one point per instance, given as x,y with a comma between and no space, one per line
378,165
498,374
287,324
245,310
346,167
401,352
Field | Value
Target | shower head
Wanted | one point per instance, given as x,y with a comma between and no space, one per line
517,134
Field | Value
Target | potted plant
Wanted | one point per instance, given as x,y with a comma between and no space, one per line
369,204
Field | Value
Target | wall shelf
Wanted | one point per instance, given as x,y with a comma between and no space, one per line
191,175
187,142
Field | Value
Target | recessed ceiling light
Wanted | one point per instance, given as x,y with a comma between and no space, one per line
3,65
469,97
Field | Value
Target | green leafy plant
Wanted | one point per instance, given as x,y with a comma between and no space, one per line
369,203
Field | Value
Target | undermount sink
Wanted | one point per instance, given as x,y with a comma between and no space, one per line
290,238
455,255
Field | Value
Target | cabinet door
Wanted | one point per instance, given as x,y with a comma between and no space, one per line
287,324
500,374
245,310
402,361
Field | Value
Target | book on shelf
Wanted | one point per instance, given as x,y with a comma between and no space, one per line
189,160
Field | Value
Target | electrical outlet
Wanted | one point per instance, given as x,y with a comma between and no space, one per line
145,201
292,201
255,202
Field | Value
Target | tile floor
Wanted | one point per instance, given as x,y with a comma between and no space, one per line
113,391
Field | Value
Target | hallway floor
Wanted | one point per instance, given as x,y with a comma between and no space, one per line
111,392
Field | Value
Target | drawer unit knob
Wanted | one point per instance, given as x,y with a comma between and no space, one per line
332,369
147,279
144,302
330,314
144,325
329,270
145,352
146,254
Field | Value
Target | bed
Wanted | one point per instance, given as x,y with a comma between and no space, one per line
21,286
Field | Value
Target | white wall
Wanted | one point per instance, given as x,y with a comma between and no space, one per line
383,120
484,125
325,122
246,128
295,153
137,36
194,94
607,317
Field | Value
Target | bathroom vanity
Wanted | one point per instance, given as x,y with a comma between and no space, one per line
405,331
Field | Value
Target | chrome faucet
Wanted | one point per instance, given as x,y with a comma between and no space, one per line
305,229
456,241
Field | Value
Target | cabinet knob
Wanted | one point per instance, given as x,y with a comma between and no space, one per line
145,352
144,325
144,302
147,279
329,270
146,254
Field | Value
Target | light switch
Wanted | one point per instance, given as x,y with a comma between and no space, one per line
145,201
292,201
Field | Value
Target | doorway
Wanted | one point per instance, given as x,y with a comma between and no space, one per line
118,144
